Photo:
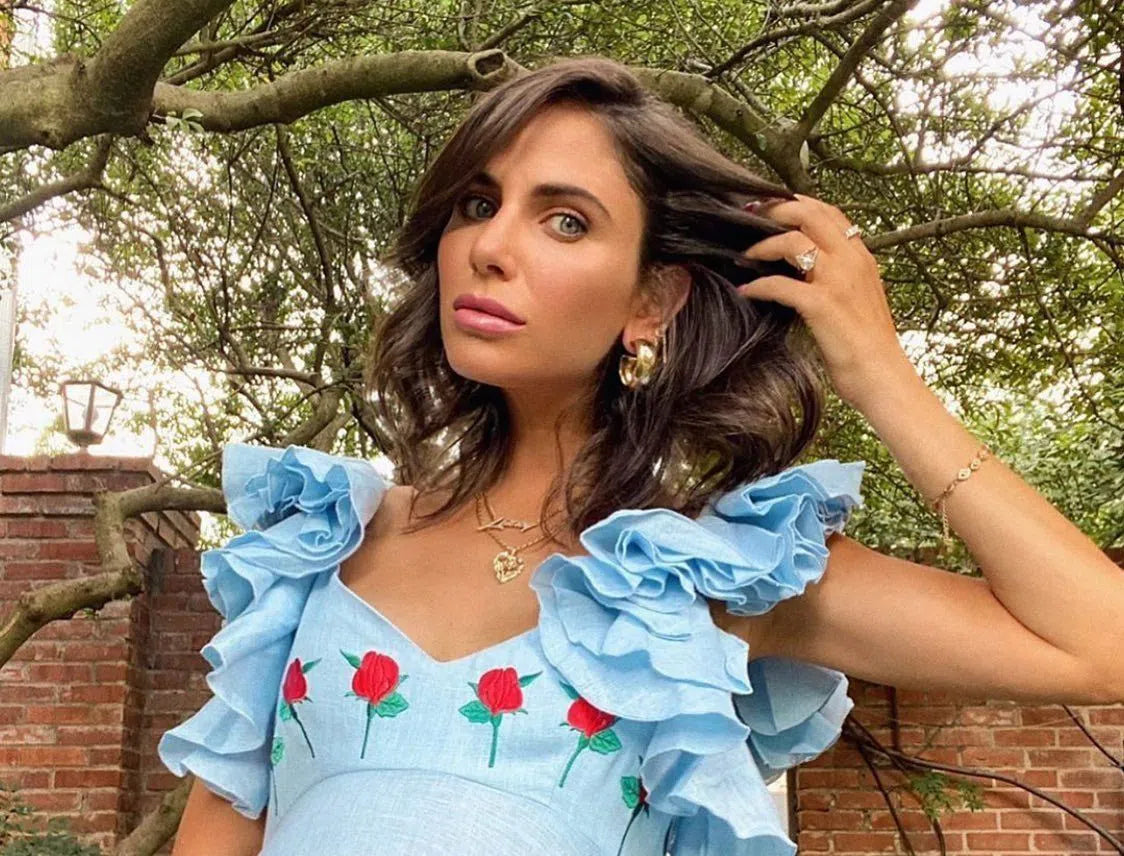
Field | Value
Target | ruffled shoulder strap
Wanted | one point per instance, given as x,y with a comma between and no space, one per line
305,511
779,526
629,627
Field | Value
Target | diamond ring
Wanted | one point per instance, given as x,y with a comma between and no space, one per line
852,231
807,260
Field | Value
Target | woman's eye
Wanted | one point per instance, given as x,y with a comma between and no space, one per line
468,200
581,226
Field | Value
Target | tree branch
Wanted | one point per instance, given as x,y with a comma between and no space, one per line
847,65
69,98
983,220
120,576
86,178
299,93
158,825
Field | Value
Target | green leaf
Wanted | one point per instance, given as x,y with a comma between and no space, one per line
192,113
570,691
605,742
278,751
351,658
475,711
286,711
392,705
630,790
526,679
307,666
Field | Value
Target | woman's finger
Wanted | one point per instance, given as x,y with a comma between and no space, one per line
808,216
781,289
787,245
831,211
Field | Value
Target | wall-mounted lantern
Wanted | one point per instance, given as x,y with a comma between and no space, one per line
87,407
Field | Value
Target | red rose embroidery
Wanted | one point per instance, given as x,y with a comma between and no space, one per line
294,690
295,687
376,676
376,681
499,691
587,719
594,726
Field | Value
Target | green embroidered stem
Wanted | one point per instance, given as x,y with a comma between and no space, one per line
495,737
569,764
635,812
297,719
273,780
367,730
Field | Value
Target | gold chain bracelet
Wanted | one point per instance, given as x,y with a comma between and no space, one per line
963,474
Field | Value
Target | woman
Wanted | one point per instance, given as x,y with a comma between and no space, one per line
583,336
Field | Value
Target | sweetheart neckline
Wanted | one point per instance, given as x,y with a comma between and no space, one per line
362,602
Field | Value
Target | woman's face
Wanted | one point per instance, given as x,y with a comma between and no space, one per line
565,261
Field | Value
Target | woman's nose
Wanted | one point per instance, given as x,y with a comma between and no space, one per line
493,243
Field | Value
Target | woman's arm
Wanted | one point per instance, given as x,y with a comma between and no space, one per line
908,625
1051,601
1045,624
1045,571
211,827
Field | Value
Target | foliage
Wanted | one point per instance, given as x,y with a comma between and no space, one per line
243,264
940,794
21,835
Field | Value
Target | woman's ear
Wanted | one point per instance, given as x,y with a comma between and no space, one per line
677,289
659,306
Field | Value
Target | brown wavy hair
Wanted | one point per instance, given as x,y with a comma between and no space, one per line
739,393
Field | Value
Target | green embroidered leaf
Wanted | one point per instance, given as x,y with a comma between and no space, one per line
286,711
401,678
475,711
350,693
630,790
526,679
351,658
474,690
308,666
392,705
278,751
605,742
569,690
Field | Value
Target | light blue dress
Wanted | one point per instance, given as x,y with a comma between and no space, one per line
625,722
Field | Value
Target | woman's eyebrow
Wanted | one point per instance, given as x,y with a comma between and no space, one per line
546,190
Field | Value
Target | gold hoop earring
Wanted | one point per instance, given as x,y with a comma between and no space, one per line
637,371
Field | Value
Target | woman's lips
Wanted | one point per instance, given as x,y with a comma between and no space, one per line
473,319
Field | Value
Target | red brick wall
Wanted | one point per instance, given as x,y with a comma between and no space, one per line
839,808
182,621
77,701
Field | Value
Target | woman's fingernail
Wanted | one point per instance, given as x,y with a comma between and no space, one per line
751,206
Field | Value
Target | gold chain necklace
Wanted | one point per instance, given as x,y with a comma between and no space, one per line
507,564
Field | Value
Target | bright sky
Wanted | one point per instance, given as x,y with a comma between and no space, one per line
84,326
